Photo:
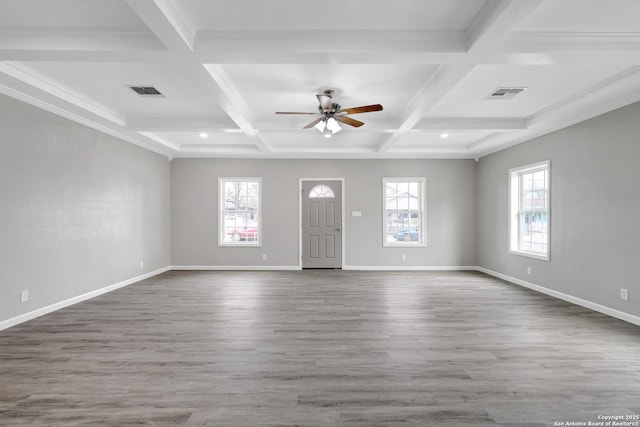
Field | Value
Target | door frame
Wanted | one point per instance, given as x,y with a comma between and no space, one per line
344,228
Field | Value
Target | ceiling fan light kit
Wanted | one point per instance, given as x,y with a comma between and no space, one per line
328,127
333,125
330,113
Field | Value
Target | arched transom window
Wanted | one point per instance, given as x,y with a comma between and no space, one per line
321,191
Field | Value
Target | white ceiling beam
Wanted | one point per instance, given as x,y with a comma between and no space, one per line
164,19
575,42
93,56
163,124
237,106
327,153
279,130
484,123
431,149
168,23
231,101
331,41
296,124
493,24
399,47
498,46
333,148
311,46
432,93
75,44
622,58
362,57
227,151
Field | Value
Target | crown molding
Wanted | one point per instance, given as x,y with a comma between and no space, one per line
66,113
45,84
616,92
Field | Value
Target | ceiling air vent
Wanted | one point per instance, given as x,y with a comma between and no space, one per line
146,90
506,92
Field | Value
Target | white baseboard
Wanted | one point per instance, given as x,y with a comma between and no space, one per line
569,298
236,267
71,301
408,267
344,267
566,297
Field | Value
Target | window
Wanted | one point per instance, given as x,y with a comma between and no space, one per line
240,212
321,192
529,205
404,212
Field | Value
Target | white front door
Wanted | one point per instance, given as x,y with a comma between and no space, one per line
321,224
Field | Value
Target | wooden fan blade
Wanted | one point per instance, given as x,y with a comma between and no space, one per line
325,102
349,121
292,112
313,123
363,109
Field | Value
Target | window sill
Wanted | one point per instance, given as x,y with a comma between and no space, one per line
530,255
404,245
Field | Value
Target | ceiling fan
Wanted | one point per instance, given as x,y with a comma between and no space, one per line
330,113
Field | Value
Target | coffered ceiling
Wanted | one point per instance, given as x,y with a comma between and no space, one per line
225,67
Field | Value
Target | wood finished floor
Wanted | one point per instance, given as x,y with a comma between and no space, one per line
319,348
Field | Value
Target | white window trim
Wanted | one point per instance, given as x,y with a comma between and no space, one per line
514,206
221,242
422,243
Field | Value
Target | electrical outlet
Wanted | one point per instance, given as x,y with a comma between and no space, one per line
264,257
404,257
24,295
529,271
624,294
141,264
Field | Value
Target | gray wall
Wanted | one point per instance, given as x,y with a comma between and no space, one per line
595,210
450,211
79,209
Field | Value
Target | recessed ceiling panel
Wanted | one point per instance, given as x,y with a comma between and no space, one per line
194,139
584,16
407,15
431,139
545,85
112,14
275,87
108,84
311,138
